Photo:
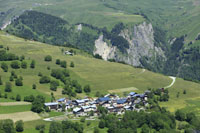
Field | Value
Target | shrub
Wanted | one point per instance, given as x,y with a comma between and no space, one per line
63,64
1,82
44,79
11,78
82,119
180,115
48,58
34,86
58,61
22,58
4,66
40,74
19,126
87,89
72,64
48,68
15,64
18,82
5,95
8,87
18,97
23,64
101,124
32,65
29,98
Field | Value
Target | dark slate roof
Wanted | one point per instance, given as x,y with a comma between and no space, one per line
61,100
103,99
132,93
121,101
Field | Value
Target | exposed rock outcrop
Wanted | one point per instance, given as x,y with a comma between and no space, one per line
141,44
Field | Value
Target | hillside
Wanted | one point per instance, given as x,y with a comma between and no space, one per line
104,77
101,75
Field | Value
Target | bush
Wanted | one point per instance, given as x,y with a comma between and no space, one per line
8,87
40,74
34,86
32,65
23,64
87,89
48,68
22,58
78,88
96,130
29,98
19,126
53,85
48,58
5,95
101,124
15,64
58,61
88,123
82,119
4,66
11,78
39,127
1,82
18,82
72,64
44,79
18,97
63,64
180,115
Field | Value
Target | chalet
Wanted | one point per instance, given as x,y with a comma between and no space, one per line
53,105
68,53
77,110
121,101
61,100
102,100
128,107
132,93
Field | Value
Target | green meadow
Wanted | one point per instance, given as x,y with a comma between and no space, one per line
101,75
14,109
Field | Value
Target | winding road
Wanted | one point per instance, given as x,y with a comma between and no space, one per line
173,81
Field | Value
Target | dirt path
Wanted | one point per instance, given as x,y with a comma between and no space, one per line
173,81
25,116
13,103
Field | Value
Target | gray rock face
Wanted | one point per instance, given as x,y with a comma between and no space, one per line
141,40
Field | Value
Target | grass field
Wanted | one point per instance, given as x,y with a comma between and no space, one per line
14,109
25,116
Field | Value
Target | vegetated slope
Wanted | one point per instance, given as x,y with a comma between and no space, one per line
101,75
82,11
136,45
140,45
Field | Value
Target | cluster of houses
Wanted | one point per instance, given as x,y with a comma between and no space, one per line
112,103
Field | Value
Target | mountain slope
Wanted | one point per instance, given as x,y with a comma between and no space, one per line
101,75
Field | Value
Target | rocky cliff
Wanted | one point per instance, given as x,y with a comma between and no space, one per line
141,46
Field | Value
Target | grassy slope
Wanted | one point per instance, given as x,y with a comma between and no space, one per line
178,17
87,11
14,109
101,75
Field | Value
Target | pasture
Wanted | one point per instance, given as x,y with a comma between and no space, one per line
25,116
